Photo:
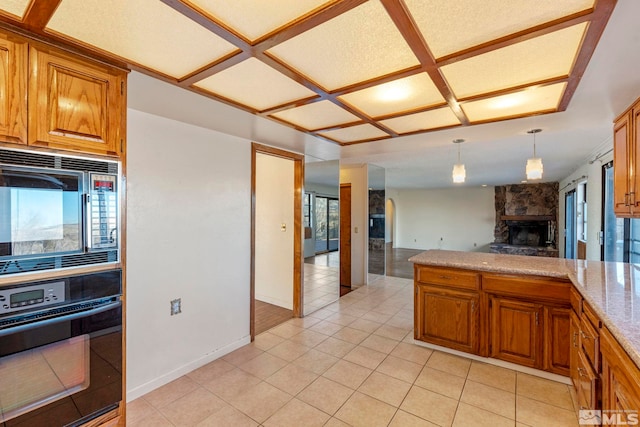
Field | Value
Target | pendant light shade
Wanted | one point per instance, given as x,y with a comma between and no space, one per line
458,174
534,165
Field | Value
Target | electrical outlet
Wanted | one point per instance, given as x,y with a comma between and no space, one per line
176,306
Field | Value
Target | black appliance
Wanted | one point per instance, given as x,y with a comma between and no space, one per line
57,211
60,350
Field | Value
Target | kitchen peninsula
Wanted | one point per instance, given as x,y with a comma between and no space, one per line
571,317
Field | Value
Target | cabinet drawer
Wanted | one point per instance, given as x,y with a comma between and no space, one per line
556,291
587,384
576,300
590,342
591,315
448,277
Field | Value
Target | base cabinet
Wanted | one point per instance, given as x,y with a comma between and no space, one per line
516,331
620,382
448,317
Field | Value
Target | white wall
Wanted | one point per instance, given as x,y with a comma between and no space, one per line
356,175
188,237
594,202
464,218
274,247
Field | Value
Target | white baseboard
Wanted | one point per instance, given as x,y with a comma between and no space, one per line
149,386
496,362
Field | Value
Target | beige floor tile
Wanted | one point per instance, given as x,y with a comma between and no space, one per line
405,419
304,322
441,382
232,383
326,327
400,368
308,338
365,411
547,391
292,379
468,415
266,340
228,416
170,392
341,319
326,395
354,336
489,398
192,408
376,317
297,413
385,388
210,371
286,330
322,314
156,419
495,376
261,401
365,325
538,414
335,347
334,422
242,355
391,332
348,374
379,343
413,353
316,361
353,311
366,357
449,363
263,366
288,350
430,406
139,409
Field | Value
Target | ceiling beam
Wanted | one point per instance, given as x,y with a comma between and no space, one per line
401,17
39,13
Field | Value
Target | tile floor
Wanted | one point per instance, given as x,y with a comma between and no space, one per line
321,286
353,363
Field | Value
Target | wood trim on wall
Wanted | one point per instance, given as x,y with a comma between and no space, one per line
298,165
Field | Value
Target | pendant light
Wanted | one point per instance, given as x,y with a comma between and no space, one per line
534,164
458,173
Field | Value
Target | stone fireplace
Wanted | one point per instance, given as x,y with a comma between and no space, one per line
526,219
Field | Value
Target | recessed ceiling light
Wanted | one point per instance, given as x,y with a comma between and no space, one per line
484,185
393,91
508,101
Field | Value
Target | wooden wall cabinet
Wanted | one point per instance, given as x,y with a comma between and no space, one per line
13,89
51,98
626,160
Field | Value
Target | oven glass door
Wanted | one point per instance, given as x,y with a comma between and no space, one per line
62,370
40,212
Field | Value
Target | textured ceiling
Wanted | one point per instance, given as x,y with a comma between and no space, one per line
348,71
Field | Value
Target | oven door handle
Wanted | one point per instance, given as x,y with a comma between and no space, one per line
58,319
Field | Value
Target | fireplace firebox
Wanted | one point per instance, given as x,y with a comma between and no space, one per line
528,233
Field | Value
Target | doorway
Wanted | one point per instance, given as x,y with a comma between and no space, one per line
345,238
570,225
327,224
276,237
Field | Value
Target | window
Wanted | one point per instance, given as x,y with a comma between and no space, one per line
306,210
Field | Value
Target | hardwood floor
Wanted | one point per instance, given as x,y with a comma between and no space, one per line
397,264
269,315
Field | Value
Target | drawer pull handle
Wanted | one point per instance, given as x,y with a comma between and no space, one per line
584,336
445,277
575,339
581,372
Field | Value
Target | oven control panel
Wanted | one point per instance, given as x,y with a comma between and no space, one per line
28,297
103,211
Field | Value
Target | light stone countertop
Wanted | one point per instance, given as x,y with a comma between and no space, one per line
612,289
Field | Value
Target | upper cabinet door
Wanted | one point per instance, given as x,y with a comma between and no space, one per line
622,166
75,104
13,90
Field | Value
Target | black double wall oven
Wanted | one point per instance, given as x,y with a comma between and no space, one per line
61,333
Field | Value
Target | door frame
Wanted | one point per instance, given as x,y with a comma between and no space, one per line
298,259
570,233
345,234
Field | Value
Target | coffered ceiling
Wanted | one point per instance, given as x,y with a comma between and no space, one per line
348,71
